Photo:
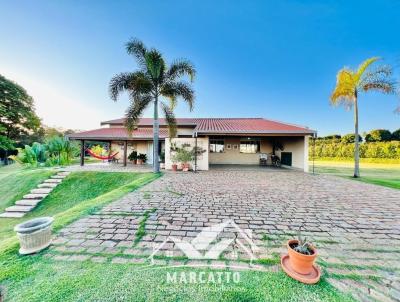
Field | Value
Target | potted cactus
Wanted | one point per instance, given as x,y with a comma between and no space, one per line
302,254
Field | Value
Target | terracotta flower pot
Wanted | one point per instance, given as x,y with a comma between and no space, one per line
135,161
140,162
174,167
302,264
185,167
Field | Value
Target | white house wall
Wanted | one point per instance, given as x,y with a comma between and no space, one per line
202,142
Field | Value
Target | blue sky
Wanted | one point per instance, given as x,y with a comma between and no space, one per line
273,59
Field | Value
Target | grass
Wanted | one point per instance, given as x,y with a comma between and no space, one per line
387,175
43,279
79,194
16,182
40,278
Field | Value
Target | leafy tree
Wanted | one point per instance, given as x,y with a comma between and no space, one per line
349,138
350,83
396,135
17,111
333,136
378,135
153,80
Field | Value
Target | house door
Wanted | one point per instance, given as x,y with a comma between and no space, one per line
150,153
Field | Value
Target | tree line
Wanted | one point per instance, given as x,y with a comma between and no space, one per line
19,124
378,143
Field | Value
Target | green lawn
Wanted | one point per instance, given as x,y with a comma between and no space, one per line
42,279
387,175
39,278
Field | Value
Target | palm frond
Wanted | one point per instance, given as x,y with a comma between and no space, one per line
386,86
173,90
345,89
135,110
363,67
170,119
133,82
155,64
119,83
180,68
137,49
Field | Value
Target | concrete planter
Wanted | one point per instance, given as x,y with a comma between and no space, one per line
34,235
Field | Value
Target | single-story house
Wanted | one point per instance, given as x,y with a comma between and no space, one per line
238,141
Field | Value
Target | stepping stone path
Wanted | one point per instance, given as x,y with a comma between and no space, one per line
31,200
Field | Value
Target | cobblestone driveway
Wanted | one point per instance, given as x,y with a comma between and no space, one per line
355,226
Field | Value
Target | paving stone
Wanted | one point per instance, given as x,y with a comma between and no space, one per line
19,208
52,180
12,215
58,177
48,185
27,202
98,259
41,191
35,196
339,215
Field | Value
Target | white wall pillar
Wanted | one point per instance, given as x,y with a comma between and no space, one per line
306,138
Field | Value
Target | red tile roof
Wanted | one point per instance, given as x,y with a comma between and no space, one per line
145,121
247,125
226,125
230,126
118,133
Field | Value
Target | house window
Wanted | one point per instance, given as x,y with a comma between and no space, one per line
250,146
217,145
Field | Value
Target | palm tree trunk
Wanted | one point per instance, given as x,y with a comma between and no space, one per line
156,164
356,140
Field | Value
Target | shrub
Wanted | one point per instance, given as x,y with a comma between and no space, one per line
350,138
378,135
323,148
396,135
133,156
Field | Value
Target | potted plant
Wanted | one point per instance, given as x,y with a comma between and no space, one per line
133,157
184,156
302,255
141,159
34,235
162,160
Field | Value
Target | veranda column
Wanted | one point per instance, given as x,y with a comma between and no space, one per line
125,152
82,152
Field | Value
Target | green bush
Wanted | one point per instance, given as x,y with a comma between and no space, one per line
56,151
396,135
378,135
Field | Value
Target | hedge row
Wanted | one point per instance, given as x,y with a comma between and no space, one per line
346,150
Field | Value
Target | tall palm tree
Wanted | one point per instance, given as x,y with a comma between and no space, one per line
153,80
350,83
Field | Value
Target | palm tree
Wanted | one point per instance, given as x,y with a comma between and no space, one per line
153,80
350,83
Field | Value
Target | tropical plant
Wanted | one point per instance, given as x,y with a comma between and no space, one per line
153,80
133,156
142,157
31,156
98,150
350,83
